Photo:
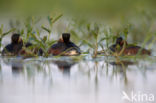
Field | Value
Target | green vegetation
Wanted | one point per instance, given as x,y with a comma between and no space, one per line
93,36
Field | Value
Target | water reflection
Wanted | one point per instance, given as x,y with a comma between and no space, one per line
64,66
16,65
90,81
121,68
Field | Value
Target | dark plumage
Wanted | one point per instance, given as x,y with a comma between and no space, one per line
128,49
64,47
14,47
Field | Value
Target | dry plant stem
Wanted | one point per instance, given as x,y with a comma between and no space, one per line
122,50
95,51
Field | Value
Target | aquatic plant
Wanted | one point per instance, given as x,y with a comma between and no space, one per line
33,35
91,35
94,37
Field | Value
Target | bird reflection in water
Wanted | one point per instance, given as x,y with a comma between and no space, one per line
64,66
16,65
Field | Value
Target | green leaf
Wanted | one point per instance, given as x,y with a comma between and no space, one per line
35,38
101,46
50,20
44,38
95,34
4,34
58,17
1,30
46,29
38,33
29,28
22,32
102,39
89,44
52,42
88,26
74,34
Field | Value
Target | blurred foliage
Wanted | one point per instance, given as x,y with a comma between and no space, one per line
114,13
78,7
95,24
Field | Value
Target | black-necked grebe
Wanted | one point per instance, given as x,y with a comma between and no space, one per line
16,47
65,47
128,49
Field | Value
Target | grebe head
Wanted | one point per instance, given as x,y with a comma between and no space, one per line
15,39
120,41
66,37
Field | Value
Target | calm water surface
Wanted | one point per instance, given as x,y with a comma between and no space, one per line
65,81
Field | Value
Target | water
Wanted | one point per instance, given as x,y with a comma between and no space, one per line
61,80
64,81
